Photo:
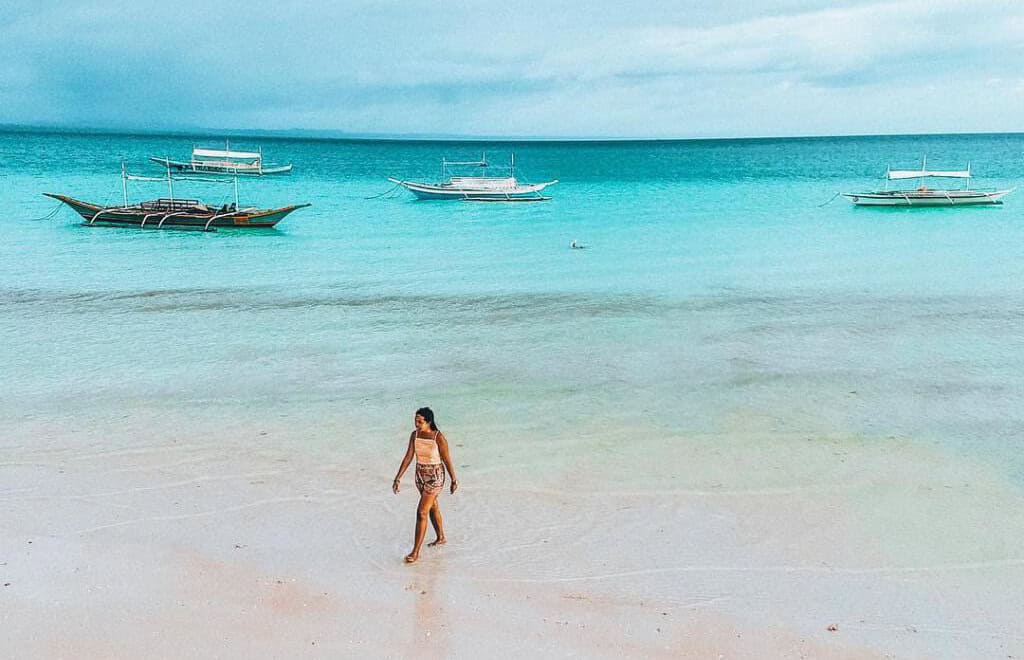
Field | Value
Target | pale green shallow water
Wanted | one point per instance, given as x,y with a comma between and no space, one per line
714,287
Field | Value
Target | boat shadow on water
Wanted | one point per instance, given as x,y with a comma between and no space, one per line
235,232
932,211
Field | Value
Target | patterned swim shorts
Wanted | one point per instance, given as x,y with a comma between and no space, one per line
429,478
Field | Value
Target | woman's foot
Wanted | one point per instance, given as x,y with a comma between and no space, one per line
411,558
438,541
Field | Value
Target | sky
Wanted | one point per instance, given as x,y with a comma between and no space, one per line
594,69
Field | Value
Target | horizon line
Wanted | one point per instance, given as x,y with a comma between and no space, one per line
340,135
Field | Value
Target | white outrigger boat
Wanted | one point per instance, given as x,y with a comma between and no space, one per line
922,195
477,188
222,161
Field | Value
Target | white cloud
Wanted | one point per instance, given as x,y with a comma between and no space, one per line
882,37
530,68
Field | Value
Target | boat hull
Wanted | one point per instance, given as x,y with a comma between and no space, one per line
179,167
430,191
135,216
928,198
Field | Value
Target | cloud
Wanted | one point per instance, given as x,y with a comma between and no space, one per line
873,41
553,68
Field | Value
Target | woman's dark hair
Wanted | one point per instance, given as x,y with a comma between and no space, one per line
428,415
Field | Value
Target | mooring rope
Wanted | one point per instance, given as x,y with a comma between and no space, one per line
49,215
386,192
831,199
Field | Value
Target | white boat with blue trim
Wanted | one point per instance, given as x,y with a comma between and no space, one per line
477,188
222,161
923,195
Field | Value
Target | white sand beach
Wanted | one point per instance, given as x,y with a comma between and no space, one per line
171,538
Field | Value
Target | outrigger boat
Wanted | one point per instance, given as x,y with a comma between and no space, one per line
171,212
223,161
477,188
922,195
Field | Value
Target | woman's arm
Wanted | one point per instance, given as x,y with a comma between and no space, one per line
409,453
442,447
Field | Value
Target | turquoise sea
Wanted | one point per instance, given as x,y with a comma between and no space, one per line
718,292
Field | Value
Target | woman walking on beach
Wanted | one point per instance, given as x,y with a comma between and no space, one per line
430,448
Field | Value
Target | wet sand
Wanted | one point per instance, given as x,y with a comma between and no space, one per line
174,539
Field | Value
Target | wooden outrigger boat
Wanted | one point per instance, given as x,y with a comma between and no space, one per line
223,161
174,213
177,213
477,188
922,195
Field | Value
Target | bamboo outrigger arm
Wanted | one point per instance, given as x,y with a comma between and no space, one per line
169,215
147,217
224,215
102,211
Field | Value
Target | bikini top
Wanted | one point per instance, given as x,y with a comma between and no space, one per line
427,452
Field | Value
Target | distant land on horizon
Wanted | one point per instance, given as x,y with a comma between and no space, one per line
335,134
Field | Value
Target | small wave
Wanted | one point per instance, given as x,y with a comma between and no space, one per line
494,307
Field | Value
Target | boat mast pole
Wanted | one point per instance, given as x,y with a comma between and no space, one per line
236,191
124,184
170,186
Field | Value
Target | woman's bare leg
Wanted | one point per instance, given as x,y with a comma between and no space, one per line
422,513
438,523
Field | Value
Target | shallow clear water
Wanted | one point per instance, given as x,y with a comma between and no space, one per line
718,295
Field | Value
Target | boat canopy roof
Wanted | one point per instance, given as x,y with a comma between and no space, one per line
894,175
199,152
